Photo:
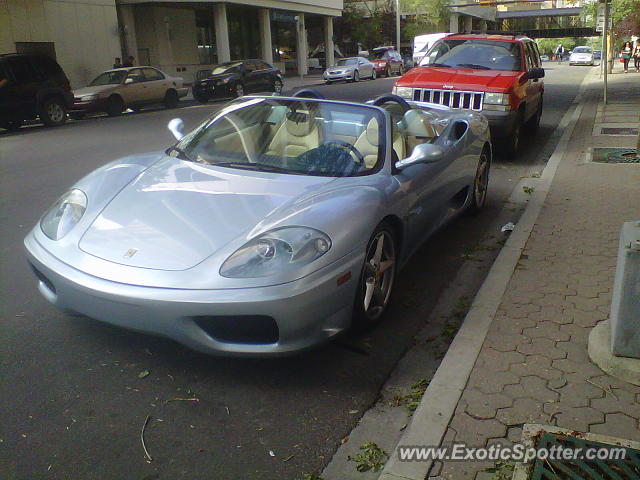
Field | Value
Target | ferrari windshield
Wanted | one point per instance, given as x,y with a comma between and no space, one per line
114,77
475,54
301,136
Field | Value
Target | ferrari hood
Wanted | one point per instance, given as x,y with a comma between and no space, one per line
458,78
178,213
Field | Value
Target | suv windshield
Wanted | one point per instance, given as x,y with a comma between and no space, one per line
582,50
475,54
303,137
114,77
347,61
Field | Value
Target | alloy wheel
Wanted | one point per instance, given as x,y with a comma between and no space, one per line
481,183
277,86
55,112
378,274
239,90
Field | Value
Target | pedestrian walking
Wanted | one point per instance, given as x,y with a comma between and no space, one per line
636,55
117,63
625,55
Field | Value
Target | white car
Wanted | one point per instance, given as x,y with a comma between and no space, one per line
582,56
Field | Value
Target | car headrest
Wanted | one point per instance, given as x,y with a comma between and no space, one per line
418,124
299,123
373,132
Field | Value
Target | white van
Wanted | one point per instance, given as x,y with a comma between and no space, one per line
422,43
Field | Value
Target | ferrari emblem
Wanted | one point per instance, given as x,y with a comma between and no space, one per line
131,252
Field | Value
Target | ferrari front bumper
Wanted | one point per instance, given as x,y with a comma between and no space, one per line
285,318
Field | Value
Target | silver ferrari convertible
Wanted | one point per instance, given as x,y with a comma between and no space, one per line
275,225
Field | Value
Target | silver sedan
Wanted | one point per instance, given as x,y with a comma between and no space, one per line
351,69
270,228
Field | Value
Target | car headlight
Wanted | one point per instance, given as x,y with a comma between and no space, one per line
404,92
496,98
64,214
280,251
86,98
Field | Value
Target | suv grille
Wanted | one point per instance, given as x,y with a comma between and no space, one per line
450,98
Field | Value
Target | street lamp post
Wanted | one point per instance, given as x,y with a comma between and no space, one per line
398,24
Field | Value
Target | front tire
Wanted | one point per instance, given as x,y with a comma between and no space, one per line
12,125
53,112
115,106
277,86
480,184
377,277
200,97
512,144
534,122
238,90
373,74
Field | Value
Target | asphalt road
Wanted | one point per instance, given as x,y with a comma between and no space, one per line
72,402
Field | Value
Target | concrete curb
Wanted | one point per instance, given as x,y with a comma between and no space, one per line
437,407
627,369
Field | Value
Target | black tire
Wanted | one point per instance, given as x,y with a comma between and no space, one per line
533,124
387,72
200,97
480,184
327,82
277,86
400,71
373,74
53,112
171,99
13,125
115,106
356,76
379,280
238,89
77,115
512,142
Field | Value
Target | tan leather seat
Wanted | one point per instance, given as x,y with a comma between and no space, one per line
298,134
368,142
418,128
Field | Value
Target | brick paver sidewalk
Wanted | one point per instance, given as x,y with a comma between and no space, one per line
534,366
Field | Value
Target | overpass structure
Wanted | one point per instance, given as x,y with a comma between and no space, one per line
537,19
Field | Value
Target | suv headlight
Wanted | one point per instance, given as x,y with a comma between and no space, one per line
64,214
404,92
282,250
496,98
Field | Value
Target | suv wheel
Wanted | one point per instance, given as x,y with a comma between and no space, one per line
239,90
512,143
115,106
534,122
53,112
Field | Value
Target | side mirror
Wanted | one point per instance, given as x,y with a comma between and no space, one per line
423,153
128,81
176,127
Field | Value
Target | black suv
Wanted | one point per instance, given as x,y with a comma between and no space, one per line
236,79
32,86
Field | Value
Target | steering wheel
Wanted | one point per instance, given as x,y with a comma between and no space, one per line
347,146
390,97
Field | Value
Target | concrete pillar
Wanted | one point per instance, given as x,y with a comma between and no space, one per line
468,23
222,32
483,25
265,35
128,26
454,23
328,41
301,45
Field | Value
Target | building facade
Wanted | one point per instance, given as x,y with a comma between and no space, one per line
178,36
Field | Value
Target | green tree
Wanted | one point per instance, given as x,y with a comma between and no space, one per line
426,16
625,15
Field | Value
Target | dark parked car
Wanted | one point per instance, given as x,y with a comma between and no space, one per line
236,79
35,87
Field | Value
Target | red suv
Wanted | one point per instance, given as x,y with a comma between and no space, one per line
387,61
498,75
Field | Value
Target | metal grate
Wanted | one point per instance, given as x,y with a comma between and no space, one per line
450,98
615,155
619,131
626,469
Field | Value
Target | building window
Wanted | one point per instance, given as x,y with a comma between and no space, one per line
207,52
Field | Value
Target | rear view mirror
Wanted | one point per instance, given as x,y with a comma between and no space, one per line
176,127
423,153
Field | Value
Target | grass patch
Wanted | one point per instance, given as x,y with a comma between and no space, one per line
500,470
528,190
412,399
